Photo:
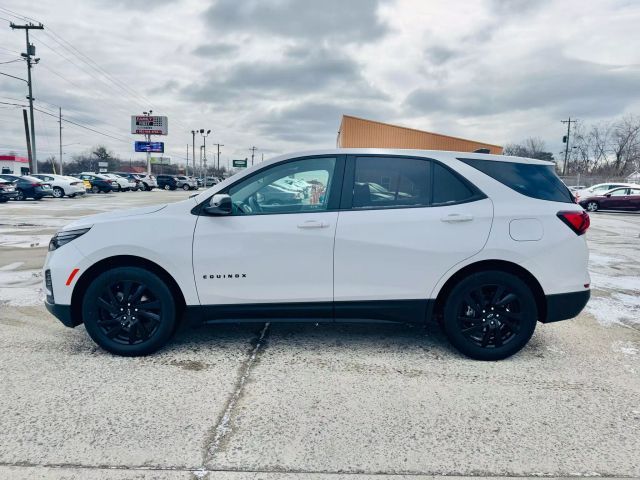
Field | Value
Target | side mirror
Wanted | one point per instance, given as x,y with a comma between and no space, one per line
220,204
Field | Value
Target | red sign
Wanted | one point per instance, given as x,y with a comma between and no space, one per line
13,158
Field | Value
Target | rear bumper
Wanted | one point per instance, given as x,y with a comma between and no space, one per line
564,306
62,313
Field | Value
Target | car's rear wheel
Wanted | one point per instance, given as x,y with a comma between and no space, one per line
20,194
129,311
186,187
167,187
95,189
592,206
490,315
58,192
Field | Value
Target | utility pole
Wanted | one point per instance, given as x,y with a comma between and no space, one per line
253,151
186,170
31,51
60,122
193,151
219,145
26,131
566,142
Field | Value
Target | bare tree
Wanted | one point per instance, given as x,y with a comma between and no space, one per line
532,147
626,144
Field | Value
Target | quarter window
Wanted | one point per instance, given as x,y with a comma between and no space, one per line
292,187
388,182
448,188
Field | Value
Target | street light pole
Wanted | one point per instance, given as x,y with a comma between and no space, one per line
193,152
204,156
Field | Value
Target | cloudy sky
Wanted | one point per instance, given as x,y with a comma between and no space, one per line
278,74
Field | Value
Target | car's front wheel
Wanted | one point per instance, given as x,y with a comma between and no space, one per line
58,192
186,187
592,206
129,311
20,194
490,315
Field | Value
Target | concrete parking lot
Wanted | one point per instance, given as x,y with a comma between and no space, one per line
314,401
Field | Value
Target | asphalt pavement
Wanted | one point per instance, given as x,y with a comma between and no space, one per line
314,401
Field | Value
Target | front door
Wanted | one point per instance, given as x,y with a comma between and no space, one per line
409,220
277,245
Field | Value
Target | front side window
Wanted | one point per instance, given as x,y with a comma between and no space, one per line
391,182
293,187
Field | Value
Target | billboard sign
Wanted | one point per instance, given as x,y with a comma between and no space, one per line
240,163
160,160
153,147
149,125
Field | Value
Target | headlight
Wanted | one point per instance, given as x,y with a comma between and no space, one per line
65,236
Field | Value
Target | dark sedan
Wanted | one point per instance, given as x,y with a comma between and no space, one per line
167,182
29,187
7,190
624,198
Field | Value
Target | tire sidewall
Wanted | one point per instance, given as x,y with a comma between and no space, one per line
160,290
59,191
595,204
527,326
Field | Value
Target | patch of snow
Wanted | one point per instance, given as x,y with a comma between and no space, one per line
24,241
626,348
618,309
20,288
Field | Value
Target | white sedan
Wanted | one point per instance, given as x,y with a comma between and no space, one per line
62,185
123,184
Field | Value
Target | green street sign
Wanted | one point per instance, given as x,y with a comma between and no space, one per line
240,163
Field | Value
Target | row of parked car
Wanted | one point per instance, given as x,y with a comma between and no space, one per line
608,196
38,186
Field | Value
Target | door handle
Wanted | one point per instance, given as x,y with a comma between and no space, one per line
457,218
313,224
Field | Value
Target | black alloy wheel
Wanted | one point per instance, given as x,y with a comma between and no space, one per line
129,311
490,315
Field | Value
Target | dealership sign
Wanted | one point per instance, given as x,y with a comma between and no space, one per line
149,125
161,160
240,163
153,147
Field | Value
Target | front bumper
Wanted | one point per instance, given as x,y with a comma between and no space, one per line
564,306
62,313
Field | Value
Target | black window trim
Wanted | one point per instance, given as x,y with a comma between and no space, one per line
333,204
346,202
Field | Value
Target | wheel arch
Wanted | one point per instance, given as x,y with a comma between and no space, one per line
495,265
122,261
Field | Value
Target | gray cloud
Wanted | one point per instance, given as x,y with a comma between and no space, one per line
554,83
336,20
216,50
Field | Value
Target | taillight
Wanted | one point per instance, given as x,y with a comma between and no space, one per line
36,184
577,221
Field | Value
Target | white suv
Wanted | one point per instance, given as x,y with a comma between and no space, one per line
487,245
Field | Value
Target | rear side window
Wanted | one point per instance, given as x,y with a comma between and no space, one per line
536,181
387,182
448,187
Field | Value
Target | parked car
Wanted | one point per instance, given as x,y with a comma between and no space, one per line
149,182
625,198
275,195
7,190
186,183
487,245
134,178
120,184
167,182
28,187
98,182
62,185
601,188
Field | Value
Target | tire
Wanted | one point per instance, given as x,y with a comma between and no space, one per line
592,206
111,320
73,195
58,192
37,197
185,187
20,195
95,189
167,187
490,315
146,187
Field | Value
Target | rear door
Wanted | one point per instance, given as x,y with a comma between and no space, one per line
403,223
634,199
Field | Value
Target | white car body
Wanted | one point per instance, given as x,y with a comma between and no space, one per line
350,263
124,183
70,186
